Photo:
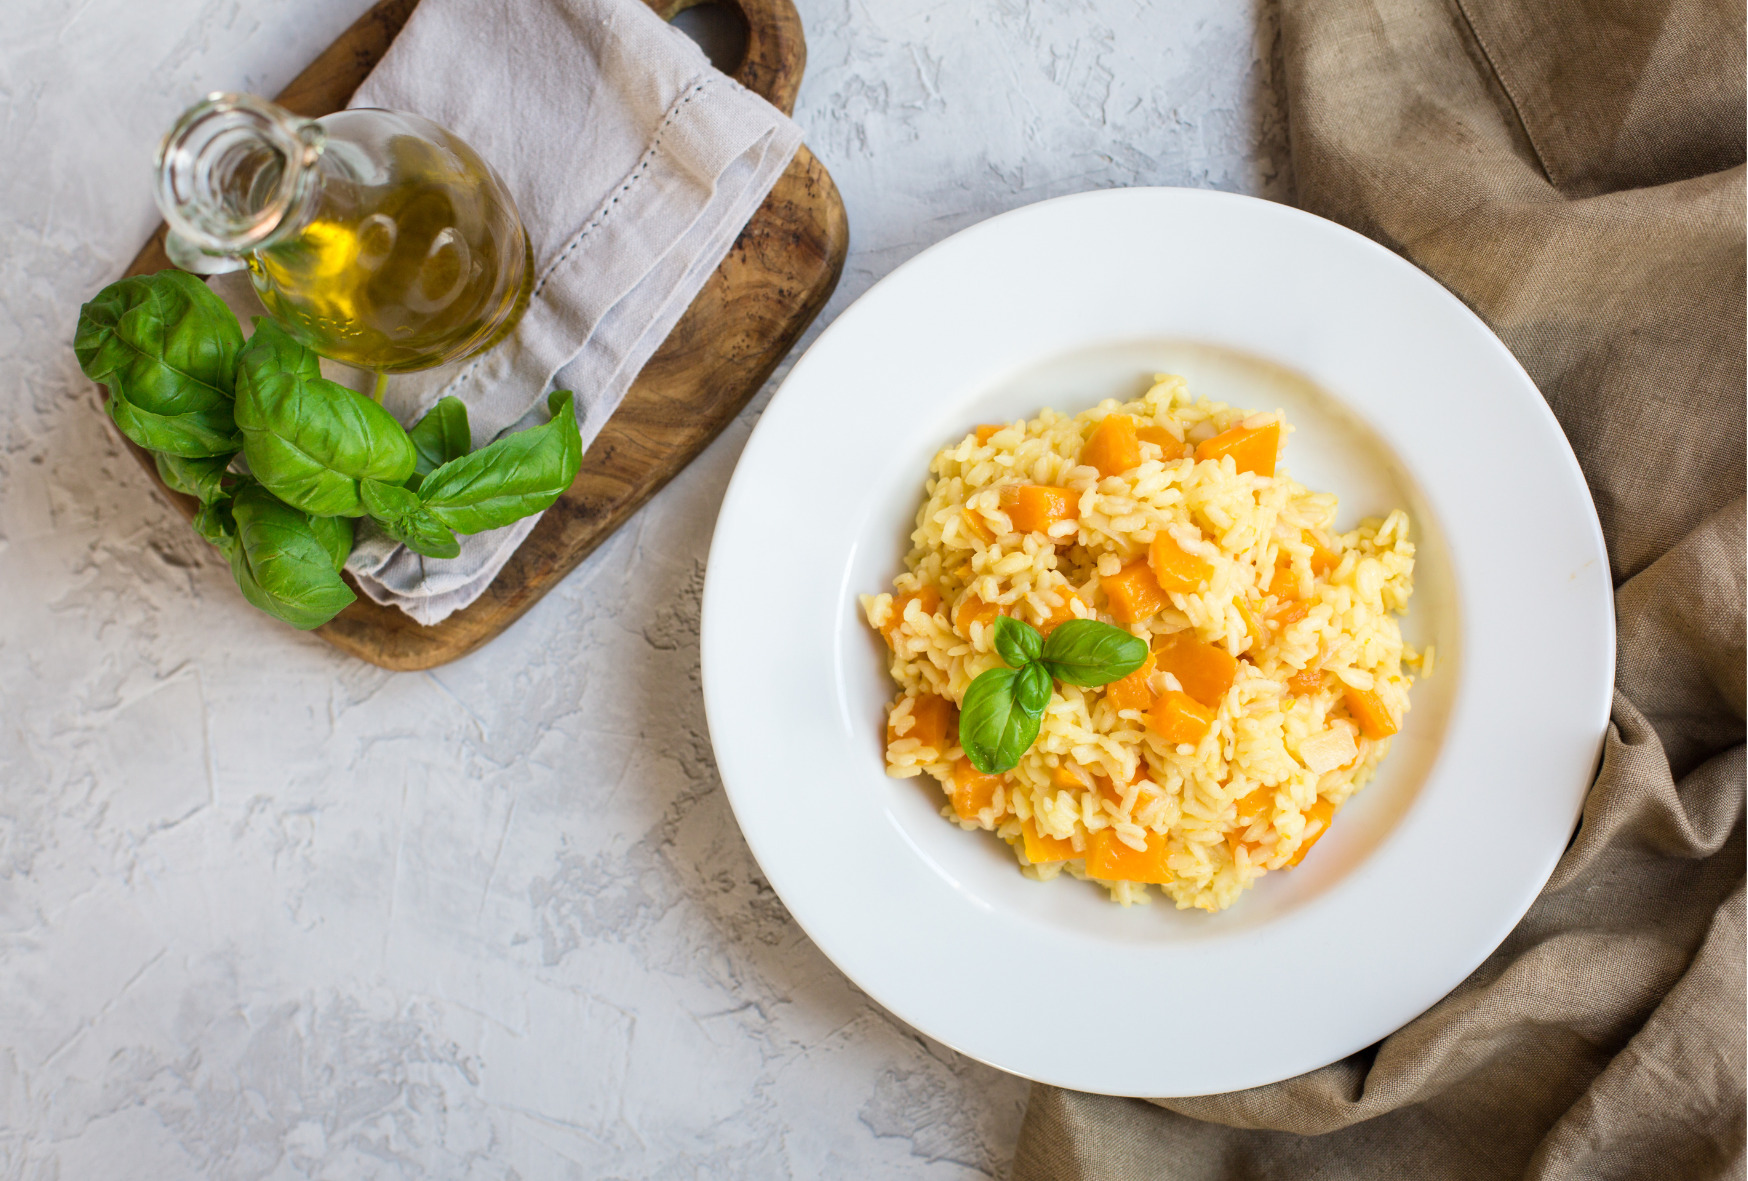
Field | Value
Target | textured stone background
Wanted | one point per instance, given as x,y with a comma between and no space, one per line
269,912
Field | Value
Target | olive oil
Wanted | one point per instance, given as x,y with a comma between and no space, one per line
375,237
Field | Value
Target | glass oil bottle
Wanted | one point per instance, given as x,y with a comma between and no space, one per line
375,237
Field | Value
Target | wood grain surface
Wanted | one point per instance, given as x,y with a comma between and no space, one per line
775,279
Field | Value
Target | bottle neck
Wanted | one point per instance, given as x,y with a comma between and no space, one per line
235,171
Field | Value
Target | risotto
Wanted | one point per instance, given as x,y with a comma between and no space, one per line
1275,673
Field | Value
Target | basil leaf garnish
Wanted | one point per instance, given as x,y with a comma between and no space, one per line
507,480
406,520
1089,653
310,440
1017,641
994,729
440,436
1032,690
166,349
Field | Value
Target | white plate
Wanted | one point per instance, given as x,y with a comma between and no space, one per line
1400,396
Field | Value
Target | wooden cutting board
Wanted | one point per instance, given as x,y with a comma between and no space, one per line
775,279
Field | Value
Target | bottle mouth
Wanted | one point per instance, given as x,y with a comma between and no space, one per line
230,170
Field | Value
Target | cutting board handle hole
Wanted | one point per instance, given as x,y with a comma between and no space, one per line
720,31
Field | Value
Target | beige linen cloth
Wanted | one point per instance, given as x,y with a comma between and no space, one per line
634,163
1573,170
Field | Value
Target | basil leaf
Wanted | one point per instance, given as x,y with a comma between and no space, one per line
409,522
1016,641
215,523
285,563
196,434
202,479
993,730
166,348
440,436
1032,689
335,534
310,440
1087,652
507,480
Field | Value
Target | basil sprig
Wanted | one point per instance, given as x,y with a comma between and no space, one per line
1004,707
184,385
509,479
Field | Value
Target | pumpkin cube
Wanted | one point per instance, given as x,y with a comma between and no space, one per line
1319,815
1133,593
970,610
1206,671
1034,508
1113,447
1179,718
1175,570
1041,850
1253,449
1110,860
928,596
973,791
1174,447
1133,691
1369,711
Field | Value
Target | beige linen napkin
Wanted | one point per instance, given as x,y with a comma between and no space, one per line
1573,170
634,164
